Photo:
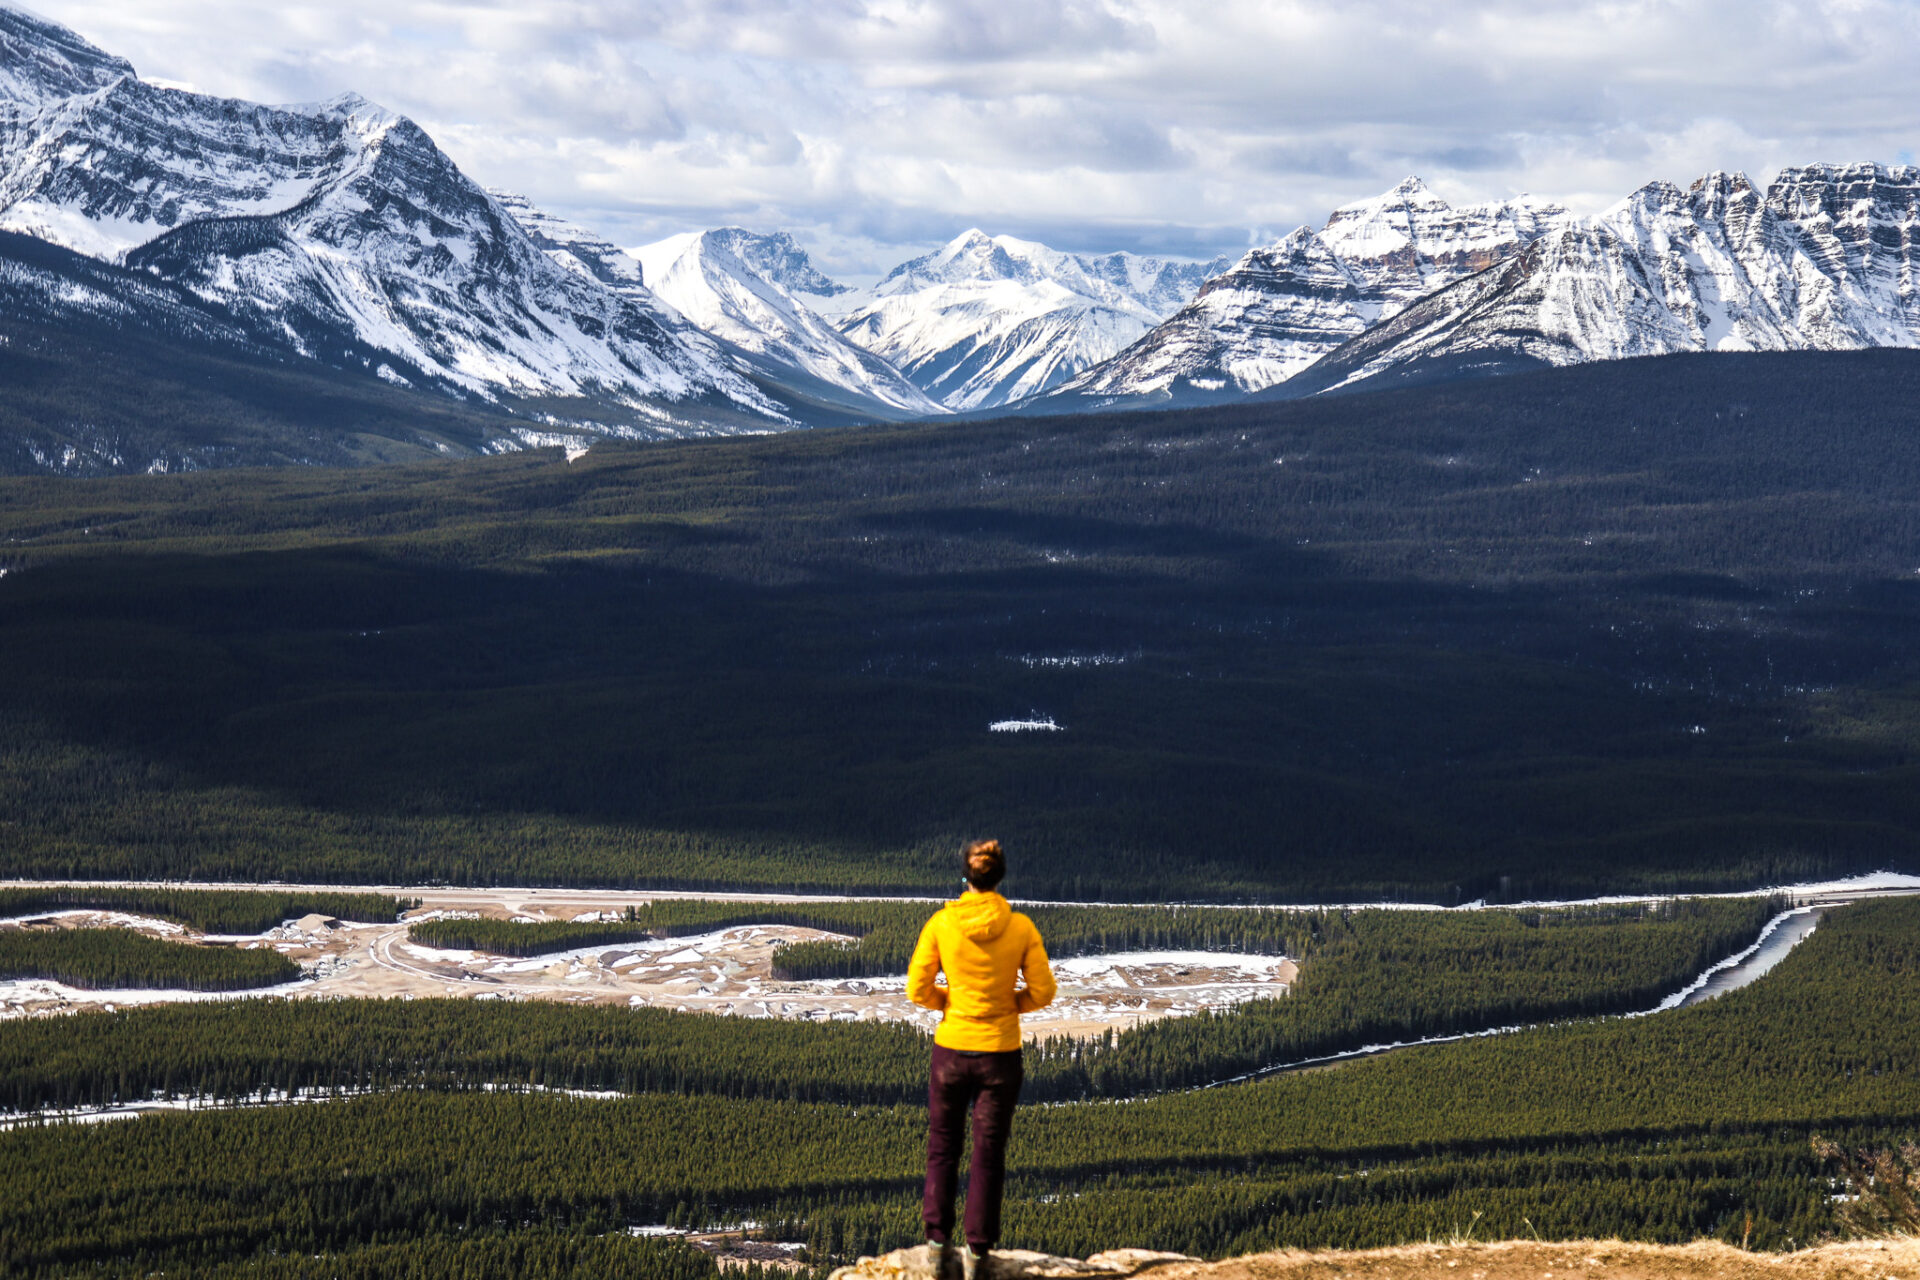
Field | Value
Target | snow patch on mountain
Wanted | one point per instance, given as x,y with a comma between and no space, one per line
1408,241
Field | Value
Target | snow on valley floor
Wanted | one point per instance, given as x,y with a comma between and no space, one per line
728,971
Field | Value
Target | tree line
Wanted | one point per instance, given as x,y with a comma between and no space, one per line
207,910
119,958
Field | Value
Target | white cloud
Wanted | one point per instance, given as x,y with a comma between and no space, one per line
872,128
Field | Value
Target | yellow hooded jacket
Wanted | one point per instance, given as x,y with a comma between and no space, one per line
984,945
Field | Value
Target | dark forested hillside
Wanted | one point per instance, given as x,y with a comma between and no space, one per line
106,370
1649,624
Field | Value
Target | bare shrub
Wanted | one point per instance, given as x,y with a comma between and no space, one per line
1883,1187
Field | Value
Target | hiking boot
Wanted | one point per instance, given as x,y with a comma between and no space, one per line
949,1260
979,1264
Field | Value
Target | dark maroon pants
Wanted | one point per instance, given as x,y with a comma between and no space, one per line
988,1085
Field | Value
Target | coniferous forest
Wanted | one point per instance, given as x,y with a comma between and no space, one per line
119,958
227,911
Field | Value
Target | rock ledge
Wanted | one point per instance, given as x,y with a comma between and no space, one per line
1013,1264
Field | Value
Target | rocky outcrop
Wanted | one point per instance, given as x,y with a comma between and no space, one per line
43,62
1013,1264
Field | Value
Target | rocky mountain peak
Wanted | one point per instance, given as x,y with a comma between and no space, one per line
1839,194
1411,193
933,266
1712,195
776,257
1720,185
758,293
1409,240
971,255
985,321
1732,201
1647,200
1387,228
1300,254
42,62
1164,285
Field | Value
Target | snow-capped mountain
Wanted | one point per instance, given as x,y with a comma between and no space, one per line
1282,307
339,234
1409,242
42,62
1826,259
759,293
343,226
984,321
112,370
1272,314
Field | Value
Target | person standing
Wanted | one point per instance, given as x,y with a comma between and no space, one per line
986,949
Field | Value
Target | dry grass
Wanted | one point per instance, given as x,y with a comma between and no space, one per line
1895,1258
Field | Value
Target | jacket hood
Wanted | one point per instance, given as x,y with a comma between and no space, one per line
980,916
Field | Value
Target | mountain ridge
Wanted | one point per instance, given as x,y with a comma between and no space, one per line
342,224
1284,306
1826,258
341,234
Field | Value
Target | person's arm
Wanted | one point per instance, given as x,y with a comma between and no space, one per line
1038,993
921,972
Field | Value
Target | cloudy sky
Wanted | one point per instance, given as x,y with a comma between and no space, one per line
873,129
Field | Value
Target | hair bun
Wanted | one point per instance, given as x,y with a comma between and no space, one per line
985,864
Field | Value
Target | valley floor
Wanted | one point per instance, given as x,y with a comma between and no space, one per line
728,971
